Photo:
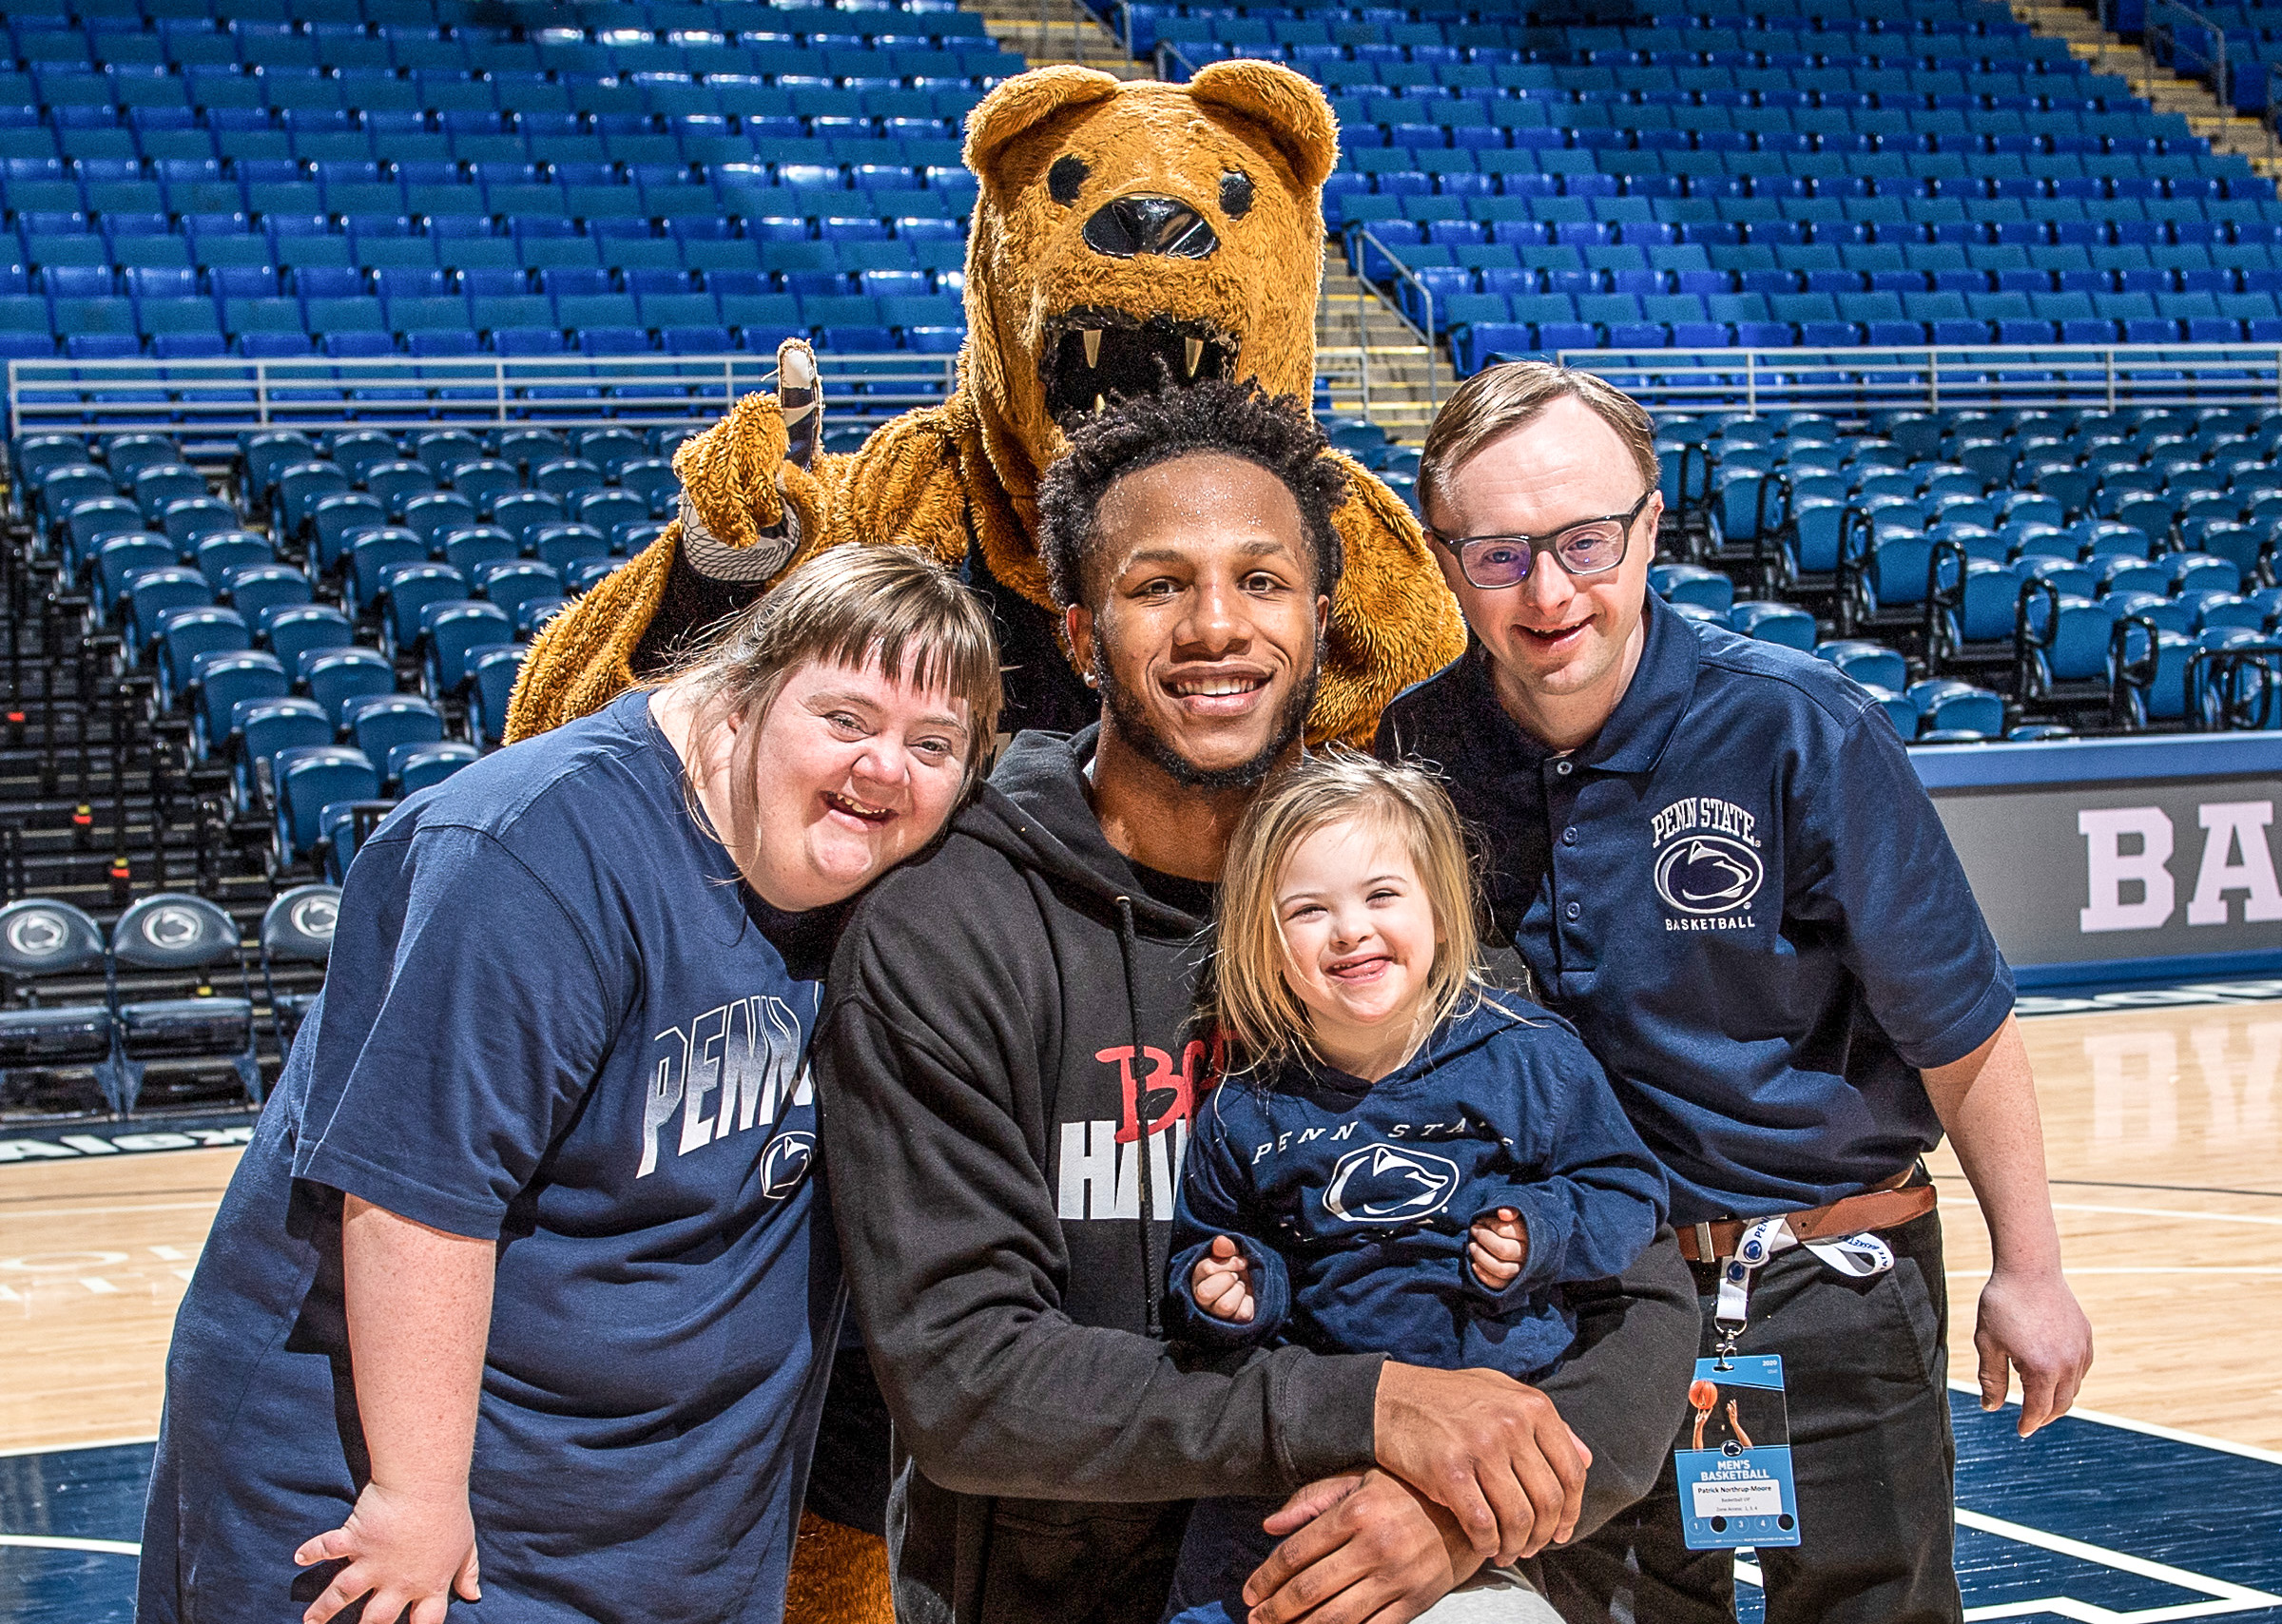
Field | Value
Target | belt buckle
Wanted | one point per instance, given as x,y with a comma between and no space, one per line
1706,1251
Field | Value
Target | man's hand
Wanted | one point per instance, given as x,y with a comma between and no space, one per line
404,1550
2032,1321
1498,1247
1491,1450
1367,1550
1988,1102
1221,1282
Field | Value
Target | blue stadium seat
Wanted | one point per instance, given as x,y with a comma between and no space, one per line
407,587
251,589
491,672
377,723
225,681
1774,623
306,779
331,676
413,767
176,932
448,631
1870,664
119,559
371,554
182,634
511,583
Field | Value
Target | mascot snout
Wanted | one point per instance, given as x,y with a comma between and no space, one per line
1126,227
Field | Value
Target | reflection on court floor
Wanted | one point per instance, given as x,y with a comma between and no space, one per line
2094,1520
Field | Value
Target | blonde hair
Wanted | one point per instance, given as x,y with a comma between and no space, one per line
843,607
1249,997
1500,398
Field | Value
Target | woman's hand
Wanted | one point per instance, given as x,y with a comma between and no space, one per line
405,1549
1222,1282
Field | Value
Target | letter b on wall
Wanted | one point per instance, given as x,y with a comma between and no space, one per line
2113,868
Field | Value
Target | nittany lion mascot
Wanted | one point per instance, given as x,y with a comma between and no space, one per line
1127,233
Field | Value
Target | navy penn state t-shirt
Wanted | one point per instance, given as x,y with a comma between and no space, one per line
555,1019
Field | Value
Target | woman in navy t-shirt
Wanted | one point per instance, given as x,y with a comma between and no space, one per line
523,1263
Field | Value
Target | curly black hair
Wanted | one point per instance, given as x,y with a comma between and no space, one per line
1210,415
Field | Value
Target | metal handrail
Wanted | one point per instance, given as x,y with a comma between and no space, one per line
222,396
1168,56
2214,683
1932,376
1363,234
2166,19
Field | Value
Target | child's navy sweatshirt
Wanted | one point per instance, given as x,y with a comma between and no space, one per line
1353,1200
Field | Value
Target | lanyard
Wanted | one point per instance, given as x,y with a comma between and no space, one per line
1856,1257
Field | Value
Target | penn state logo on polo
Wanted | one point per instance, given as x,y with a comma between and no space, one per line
1389,1184
1708,868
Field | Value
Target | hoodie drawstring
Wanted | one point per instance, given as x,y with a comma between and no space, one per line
1153,1282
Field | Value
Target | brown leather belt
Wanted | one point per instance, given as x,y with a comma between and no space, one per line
1872,1210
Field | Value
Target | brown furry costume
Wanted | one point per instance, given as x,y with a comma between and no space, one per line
1180,225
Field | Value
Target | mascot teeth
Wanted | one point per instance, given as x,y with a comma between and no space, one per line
1094,354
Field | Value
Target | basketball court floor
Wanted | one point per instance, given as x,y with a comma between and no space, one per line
2161,1500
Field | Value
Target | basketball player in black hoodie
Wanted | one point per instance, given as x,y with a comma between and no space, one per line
1009,1064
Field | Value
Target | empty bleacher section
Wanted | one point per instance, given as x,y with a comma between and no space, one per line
2021,573
285,181
220,677
1864,172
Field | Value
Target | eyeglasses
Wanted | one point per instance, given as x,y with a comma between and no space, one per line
1592,547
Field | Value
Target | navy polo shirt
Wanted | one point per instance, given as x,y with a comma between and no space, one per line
1740,894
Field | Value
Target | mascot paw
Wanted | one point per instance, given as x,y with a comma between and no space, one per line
750,505
749,495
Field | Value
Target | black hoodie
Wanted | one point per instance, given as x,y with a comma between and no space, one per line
1004,1021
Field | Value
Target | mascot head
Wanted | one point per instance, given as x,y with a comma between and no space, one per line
1130,232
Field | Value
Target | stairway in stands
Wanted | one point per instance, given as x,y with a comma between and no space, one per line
2168,92
1049,31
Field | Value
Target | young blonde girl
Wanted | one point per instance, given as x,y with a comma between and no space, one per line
1400,1162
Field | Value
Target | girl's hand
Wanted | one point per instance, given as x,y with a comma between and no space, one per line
405,1549
1498,1247
1221,1282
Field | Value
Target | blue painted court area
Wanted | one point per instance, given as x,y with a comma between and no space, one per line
2092,1522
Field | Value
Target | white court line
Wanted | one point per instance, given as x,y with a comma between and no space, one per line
51,1543
2224,1596
60,1448
2162,1572
2059,1607
2166,1212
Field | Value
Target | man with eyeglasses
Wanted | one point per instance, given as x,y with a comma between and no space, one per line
1715,857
